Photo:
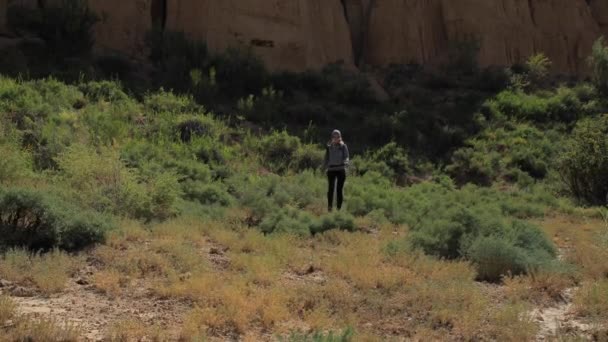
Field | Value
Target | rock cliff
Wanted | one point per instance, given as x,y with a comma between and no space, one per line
300,34
509,30
287,34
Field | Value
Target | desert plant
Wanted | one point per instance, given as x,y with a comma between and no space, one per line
279,150
336,220
288,220
584,161
538,66
39,220
599,65
506,153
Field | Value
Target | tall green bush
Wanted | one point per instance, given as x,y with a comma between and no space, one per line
584,161
599,65
505,154
41,221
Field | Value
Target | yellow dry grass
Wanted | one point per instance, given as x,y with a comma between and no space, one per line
16,327
48,272
247,286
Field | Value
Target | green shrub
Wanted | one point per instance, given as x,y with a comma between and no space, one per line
584,161
445,221
103,182
14,163
279,151
505,153
495,257
169,102
335,220
288,220
108,91
206,193
308,157
599,65
390,160
538,67
565,105
40,220
43,112
394,156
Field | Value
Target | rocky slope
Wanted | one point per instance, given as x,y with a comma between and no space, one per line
300,34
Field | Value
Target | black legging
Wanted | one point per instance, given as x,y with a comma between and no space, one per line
332,176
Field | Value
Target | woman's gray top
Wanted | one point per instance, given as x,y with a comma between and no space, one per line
336,157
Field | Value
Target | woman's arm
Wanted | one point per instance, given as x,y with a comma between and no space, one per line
345,156
326,161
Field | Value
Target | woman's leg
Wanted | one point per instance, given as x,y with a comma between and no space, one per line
341,179
331,182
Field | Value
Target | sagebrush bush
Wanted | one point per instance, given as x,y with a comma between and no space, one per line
584,161
41,221
308,157
207,193
502,154
103,182
109,91
335,220
288,220
599,65
14,164
390,160
496,257
169,102
279,150
565,105
266,194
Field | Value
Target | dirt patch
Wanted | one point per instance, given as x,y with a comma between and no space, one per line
559,319
94,313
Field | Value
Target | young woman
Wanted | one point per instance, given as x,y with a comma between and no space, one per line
336,162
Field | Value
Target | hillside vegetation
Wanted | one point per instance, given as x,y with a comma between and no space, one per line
474,197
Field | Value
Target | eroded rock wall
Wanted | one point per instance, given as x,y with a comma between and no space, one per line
509,31
123,25
287,34
301,34
599,9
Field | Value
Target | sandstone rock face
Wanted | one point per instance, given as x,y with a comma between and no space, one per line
302,34
509,30
287,34
123,25
599,9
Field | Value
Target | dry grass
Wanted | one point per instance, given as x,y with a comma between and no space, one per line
109,282
541,288
591,300
7,309
48,272
247,286
15,327
134,330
